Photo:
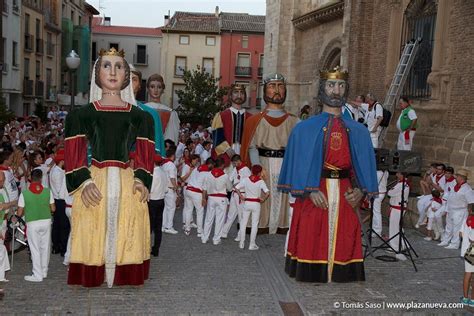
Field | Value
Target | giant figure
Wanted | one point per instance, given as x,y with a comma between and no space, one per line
110,225
329,163
264,142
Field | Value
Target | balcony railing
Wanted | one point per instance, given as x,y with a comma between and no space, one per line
29,42
39,46
260,72
39,88
5,6
243,71
28,87
140,60
49,49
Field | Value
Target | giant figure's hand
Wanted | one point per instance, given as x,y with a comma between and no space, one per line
319,199
91,195
138,186
354,196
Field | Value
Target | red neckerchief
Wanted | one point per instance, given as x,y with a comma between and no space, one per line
406,182
470,221
203,168
437,178
450,179
254,178
36,187
4,168
242,165
187,161
217,172
458,186
166,160
437,199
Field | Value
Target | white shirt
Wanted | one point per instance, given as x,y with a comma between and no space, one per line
372,115
353,111
411,115
441,182
179,151
10,185
171,172
57,181
204,155
458,201
184,171
252,189
193,179
159,184
382,177
45,179
199,149
448,188
238,175
395,194
21,200
219,185
202,179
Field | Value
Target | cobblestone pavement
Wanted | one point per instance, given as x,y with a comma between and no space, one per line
190,278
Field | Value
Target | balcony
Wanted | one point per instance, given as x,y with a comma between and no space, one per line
5,7
141,60
39,88
260,72
29,42
39,46
243,71
28,87
50,49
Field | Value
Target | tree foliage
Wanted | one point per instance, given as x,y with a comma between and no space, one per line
201,97
41,111
5,114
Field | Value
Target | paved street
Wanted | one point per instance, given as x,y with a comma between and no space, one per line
190,278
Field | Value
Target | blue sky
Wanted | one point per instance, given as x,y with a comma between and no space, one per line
149,13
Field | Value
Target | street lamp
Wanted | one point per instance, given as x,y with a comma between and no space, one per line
72,62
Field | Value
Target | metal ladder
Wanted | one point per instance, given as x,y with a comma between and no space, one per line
399,78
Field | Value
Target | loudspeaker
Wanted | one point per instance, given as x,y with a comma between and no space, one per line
382,158
405,161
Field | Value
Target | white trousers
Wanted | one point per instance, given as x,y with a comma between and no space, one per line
193,200
438,217
4,263
402,145
39,241
377,214
454,222
170,208
250,208
422,206
216,208
67,255
374,137
290,214
394,228
235,210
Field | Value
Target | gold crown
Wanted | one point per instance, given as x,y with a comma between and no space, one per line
112,52
336,73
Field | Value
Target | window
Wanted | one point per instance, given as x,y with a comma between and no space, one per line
246,84
243,65
94,50
208,65
210,40
38,29
27,23
260,66
38,70
245,41
15,54
179,66
141,56
49,44
27,68
259,94
175,98
184,39
72,16
79,20
115,45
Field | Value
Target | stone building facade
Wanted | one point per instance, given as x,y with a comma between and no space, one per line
366,37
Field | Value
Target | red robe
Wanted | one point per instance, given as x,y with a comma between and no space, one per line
309,257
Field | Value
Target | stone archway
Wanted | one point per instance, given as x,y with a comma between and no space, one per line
331,56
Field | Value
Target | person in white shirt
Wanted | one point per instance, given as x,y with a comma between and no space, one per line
406,125
62,114
253,187
189,164
169,168
442,211
10,188
395,195
180,147
206,153
61,225
438,182
4,263
382,177
53,113
373,118
156,204
199,147
215,196
457,205
37,162
432,227
239,173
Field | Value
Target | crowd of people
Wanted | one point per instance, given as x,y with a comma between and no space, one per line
112,163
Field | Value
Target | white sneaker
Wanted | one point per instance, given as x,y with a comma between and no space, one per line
417,226
451,246
437,236
193,225
204,241
401,257
170,231
4,280
224,236
428,238
199,235
237,238
242,245
32,278
218,242
443,244
253,247
423,224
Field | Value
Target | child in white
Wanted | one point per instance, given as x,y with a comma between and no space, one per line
216,189
253,187
239,173
432,227
395,195
448,189
382,177
171,171
467,239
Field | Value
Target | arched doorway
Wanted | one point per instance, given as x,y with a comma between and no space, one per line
334,59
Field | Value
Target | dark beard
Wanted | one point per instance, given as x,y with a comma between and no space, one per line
238,101
273,99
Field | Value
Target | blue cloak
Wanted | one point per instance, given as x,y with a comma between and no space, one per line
304,159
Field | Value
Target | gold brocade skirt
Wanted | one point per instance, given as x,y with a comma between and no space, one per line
89,225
